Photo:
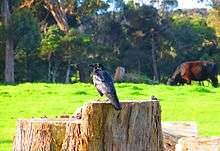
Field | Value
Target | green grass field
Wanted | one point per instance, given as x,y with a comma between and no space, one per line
185,103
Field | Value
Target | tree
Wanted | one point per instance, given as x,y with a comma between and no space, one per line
60,9
153,54
49,48
9,49
25,33
192,37
165,7
74,46
213,20
140,20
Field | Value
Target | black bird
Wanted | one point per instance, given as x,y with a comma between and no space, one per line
104,84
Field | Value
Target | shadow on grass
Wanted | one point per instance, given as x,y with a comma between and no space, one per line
136,88
80,92
136,93
5,94
51,92
9,84
202,90
5,141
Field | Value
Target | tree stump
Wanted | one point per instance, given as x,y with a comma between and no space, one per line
136,127
119,74
198,144
174,131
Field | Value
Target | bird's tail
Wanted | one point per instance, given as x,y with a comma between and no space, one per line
114,100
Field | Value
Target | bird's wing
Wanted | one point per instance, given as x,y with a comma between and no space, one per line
98,82
103,82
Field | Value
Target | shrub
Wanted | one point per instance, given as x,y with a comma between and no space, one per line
138,78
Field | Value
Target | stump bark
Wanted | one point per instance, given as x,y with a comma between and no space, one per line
136,127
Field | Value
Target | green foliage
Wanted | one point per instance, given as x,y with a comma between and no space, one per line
135,53
51,41
74,45
213,20
25,31
51,100
192,36
91,6
75,77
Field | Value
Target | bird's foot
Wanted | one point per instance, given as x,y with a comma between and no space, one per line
99,99
105,100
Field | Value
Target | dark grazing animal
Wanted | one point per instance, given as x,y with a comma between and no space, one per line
194,70
105,85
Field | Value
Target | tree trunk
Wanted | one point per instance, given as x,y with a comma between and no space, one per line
153,55
49,68
53,67
82,72
136,127
9,50
55,7
54,74
67,80
29,65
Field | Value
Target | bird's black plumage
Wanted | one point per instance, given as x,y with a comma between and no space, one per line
104,84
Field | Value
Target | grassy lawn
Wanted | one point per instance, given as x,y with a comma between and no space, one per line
189,103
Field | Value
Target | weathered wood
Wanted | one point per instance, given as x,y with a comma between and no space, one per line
40,134
136,127
59,14
198,144
173,131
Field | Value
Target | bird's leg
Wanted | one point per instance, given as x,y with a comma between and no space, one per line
107,100
101,94
103,99
100,98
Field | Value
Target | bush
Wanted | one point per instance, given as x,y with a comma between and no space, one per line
138,78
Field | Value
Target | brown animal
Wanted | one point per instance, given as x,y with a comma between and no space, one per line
194,70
